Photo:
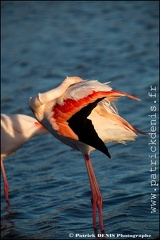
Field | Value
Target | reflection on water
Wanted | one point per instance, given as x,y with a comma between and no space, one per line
49,189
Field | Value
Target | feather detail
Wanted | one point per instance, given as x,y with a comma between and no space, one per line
61,113
114,95
66,131
117,120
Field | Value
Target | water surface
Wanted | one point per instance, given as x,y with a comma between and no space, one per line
42,43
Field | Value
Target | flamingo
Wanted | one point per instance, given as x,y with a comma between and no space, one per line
82,115
16,129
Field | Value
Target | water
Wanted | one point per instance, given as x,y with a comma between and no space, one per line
42,43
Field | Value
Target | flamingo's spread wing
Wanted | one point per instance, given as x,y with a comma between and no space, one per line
62,113
70,118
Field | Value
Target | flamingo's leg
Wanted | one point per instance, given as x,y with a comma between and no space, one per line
96,195
6,186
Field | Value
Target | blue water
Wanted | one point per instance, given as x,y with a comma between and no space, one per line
42,43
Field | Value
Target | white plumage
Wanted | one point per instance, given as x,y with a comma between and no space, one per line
16,129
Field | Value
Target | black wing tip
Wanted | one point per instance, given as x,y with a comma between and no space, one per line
105,150
108,154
